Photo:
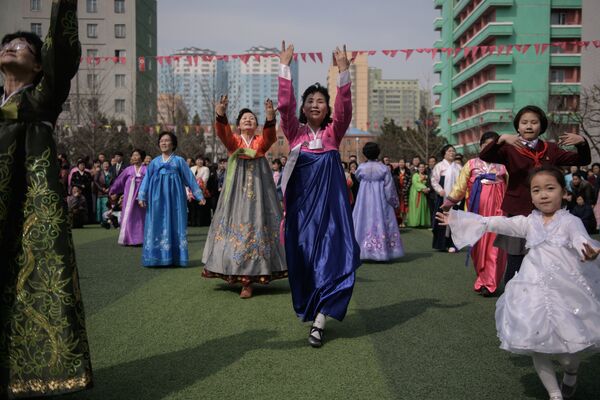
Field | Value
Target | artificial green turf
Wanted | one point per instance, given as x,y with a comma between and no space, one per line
414,330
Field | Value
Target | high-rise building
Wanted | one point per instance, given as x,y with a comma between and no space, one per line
250,83
126,30
203,80
393,99
359,73
482,91
195,76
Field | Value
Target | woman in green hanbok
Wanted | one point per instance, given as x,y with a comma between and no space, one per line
418,210
43,343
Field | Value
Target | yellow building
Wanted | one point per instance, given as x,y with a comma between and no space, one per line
359,71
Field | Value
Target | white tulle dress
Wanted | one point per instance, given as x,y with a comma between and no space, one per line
553,305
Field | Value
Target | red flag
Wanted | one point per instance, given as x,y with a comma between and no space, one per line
257,57
492,49
320,57
312,57
584,44
372,52
169,60
433,53
354,54
448,51
501,48
408,52
387,53
596,43
142,64
190,60
509,49
523,48
484,50
422,50
159,59
226,58
244,58
295,56
467,51
456,51
303,56
196,60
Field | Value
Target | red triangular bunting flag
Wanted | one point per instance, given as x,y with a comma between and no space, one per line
372,52
354,54
320,57
538,47
196,60
474,51
484,50
303,56
448,51
159,59
169,60
433,53
295,56
596,43
456,51
422,50
509,49
468,51
190,60
524,48
501,48
312,57
408,52
244,58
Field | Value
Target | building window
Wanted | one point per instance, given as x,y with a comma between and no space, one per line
119,106
120,31
67,106
36,28
92,30
120,81
35,5
92,81
558,18
120,54
92,6
119,6
92,52
557,75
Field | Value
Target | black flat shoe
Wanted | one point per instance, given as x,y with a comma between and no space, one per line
485,292
313,340
568,391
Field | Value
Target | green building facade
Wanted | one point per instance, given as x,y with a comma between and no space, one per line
481,92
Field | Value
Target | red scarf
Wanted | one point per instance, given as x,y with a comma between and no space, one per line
536,156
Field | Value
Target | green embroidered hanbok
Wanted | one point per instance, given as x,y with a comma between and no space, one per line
43,343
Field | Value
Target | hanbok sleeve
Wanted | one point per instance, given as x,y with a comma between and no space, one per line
459,190
389,188
579,236
224,133
467,228
435,178
144,187
342,109
286,104
118,185
416,182
269,135
189,179
61,54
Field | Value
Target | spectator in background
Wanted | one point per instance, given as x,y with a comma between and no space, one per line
277,175
83,179
459,160
119,165
386,160
283,162
110,217
580,187
147,160
77,208
102,181
414,165
102,158
352,167
569,177
584,211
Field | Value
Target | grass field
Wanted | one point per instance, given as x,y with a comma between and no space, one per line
414,330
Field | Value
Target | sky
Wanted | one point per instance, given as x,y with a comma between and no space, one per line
233,26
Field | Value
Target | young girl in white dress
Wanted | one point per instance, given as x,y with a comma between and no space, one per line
551,309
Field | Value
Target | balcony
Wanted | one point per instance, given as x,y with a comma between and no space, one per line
437,88
483,118
438,4
565,60
438,23
566,3
438,44
491,29
564,88
565,31
487,88
436,109
478,12
479,65
460,6
438,66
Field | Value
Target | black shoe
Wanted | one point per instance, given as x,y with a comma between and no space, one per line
315,341
105,225
485,292
568,391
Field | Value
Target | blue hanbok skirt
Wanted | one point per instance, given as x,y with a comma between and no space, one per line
322,253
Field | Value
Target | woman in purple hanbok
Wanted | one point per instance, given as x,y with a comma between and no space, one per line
375,226
132,215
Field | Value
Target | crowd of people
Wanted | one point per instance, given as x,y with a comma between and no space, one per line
310,218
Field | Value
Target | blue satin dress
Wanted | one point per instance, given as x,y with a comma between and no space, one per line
321,251
165,228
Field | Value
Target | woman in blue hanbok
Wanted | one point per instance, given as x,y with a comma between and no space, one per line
321,252
163,192
375,226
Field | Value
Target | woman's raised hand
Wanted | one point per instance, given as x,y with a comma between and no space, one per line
341,58
269,110
221,108
287,53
